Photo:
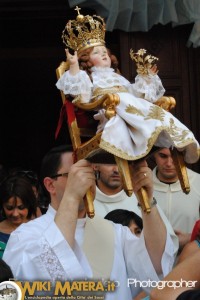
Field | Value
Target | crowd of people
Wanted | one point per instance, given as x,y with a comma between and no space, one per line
87,252
64,244
45,233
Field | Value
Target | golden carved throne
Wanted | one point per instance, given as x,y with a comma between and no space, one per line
84,149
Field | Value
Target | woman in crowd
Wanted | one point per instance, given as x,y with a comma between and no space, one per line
32,177
17,206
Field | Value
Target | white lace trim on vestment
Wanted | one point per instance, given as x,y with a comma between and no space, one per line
51,262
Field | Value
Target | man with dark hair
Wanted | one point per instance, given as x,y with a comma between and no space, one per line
111,196
65,245
126,218
182,210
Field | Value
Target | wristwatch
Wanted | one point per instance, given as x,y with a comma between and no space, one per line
152,204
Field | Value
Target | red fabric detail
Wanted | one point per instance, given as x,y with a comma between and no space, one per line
82,118
195,231
68,110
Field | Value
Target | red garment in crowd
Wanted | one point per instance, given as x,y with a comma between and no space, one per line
196,231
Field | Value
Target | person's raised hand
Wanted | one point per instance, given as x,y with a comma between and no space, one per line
81,177
142,177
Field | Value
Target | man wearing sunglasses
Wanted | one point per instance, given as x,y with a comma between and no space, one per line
65,245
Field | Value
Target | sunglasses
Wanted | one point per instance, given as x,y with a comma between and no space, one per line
28,175
59,175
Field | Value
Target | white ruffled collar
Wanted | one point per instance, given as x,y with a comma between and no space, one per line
102,69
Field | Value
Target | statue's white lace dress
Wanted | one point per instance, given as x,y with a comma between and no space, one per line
139,124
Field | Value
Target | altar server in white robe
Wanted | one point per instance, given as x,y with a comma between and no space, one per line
64,244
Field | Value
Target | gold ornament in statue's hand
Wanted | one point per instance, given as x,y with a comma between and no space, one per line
145,63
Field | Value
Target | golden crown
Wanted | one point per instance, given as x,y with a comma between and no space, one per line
84,32
144,62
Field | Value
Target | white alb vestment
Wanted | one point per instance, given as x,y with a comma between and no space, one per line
182,210
103,204
37,250
139,124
